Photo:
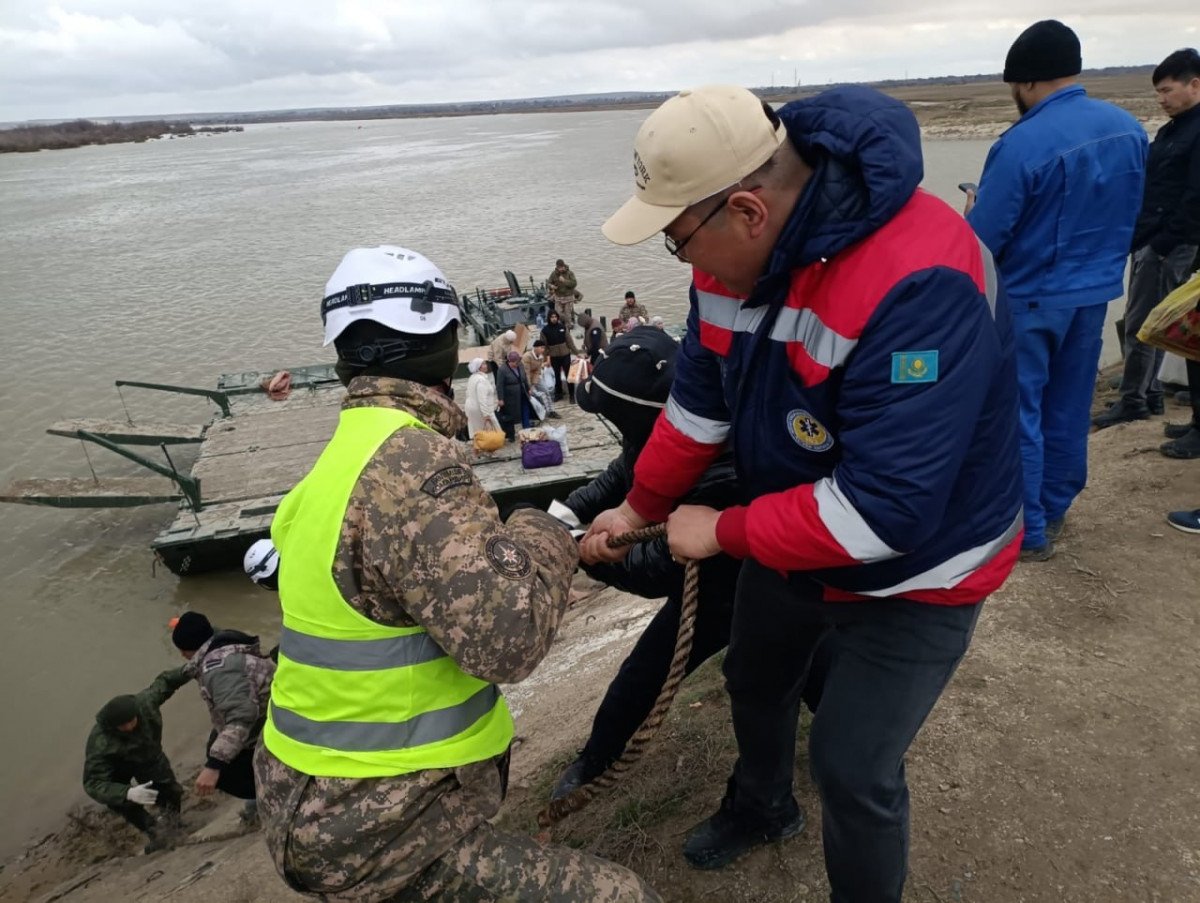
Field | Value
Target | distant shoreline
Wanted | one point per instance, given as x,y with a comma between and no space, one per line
83,132
972,108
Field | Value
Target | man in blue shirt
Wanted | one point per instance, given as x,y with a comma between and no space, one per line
1056,206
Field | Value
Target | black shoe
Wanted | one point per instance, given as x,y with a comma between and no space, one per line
1121,412
1186,447
1039,553
1054,529
725,836
1177,430
1156,405
582,771
551,415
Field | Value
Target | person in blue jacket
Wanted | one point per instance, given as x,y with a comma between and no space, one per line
1056,205
848,342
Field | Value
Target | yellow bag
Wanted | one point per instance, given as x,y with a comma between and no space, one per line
1175,324
489,440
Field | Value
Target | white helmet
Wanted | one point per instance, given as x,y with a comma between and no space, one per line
261,561
395,287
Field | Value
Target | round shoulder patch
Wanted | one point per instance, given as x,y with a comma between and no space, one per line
808,432
507,558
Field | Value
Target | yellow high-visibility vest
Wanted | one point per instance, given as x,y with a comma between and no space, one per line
352,698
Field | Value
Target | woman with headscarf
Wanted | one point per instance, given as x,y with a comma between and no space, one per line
594,339
480,403
513,387
554,334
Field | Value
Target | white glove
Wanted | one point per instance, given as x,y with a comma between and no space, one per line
141,793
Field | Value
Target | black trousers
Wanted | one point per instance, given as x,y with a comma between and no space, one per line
892,659
560,366
632,692
237,778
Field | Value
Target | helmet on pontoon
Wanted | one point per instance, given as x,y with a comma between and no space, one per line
391,286
261,563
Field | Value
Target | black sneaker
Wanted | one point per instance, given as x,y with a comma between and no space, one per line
1054,528
1039,553
582,771
552,415
725,836
1156,405
1121,412
1186,447
1177,430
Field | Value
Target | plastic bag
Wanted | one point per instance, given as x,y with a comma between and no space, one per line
531,434
559,434
539,409
580,370
488,440
1174,324
543,453
547,380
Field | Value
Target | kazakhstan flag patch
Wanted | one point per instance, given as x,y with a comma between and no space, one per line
914,366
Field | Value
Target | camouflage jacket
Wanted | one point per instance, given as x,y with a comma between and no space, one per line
562,285
634,310
113,757
422,544
235,684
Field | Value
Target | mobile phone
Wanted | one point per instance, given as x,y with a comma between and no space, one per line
968,186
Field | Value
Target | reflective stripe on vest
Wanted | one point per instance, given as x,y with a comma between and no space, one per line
352,698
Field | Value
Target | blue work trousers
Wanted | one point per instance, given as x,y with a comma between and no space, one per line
892,659
1058,352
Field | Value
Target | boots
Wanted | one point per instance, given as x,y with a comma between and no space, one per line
728,834
582,771
1121,412
1187,446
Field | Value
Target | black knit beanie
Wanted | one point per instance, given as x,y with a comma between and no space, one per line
1044,51
117,711
192,631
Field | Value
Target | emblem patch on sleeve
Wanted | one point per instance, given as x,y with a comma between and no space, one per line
914,367
507,558
808,432
445,480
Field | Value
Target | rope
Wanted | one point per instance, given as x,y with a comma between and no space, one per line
638,743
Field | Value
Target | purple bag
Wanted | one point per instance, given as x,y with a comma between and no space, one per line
543,453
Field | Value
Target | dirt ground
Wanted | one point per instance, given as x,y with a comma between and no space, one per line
986,109
1058,766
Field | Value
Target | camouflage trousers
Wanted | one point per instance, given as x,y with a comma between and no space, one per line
488,866
566,311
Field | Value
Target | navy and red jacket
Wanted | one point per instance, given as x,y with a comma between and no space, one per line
867,385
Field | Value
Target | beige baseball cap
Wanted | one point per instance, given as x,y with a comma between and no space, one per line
696,144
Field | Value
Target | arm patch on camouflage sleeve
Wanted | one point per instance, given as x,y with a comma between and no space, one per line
446,479
507,558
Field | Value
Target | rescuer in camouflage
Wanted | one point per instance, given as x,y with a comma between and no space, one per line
422,544
126,744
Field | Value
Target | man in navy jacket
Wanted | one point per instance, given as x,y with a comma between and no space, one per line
1056,206
1164,249
848,341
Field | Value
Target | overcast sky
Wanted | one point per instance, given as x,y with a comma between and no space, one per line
133,57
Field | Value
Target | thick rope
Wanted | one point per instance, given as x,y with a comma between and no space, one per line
638,743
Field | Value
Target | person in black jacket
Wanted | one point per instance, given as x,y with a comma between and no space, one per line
629,387
554,334
594,339
512,388
1165,242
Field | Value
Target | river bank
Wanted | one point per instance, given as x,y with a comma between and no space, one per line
1057,767
83,132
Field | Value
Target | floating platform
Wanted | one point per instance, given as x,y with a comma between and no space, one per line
255,450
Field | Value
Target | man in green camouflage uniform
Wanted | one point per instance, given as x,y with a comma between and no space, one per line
420,554
562,284
126,745
632,308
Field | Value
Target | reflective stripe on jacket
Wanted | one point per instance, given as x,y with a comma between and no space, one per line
353,698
